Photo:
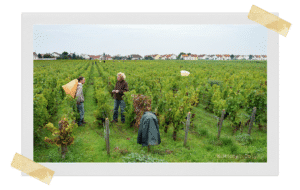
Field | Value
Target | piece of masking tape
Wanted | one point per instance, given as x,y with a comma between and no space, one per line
32,168
269,20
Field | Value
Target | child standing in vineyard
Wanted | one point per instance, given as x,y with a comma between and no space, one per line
120,88
80,100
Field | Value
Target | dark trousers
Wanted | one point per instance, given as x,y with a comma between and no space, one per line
81,112
122,105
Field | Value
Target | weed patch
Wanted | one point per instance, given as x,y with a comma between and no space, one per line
244,139
135,157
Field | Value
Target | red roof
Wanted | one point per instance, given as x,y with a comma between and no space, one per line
95,56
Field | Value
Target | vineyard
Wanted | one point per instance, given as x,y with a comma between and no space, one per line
234,86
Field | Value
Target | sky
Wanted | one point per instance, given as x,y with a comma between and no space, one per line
151,39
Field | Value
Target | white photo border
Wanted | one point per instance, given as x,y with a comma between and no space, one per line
270,168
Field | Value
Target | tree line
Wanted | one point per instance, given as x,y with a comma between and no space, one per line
64,55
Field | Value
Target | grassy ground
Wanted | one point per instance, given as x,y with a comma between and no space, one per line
202,145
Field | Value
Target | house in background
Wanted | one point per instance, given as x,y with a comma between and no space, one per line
173,56
219,57
184,57
200,57
206,57
55,54
264,57
213,57
105,57
108,57
256,57
85,56
168,57
136,57
241,57
244,57
35,56
156,56
226,57
194,57
95,57
163,57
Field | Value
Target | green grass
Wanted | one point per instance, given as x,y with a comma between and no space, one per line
202,143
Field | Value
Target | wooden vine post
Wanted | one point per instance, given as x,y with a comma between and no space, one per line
251,121
187,127
220,123
107,136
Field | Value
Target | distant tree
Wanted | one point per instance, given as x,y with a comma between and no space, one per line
148,58
232,56
116,58
39,55
178,57
73,56
250,57
64,55
47,55
189,53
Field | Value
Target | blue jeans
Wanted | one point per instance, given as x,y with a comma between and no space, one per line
81,112
122,105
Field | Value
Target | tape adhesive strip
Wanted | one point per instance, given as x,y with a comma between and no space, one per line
269,20
32,168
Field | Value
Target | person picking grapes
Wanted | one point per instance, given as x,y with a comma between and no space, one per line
80,100
120,88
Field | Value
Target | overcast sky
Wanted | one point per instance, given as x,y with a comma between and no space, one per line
150,39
